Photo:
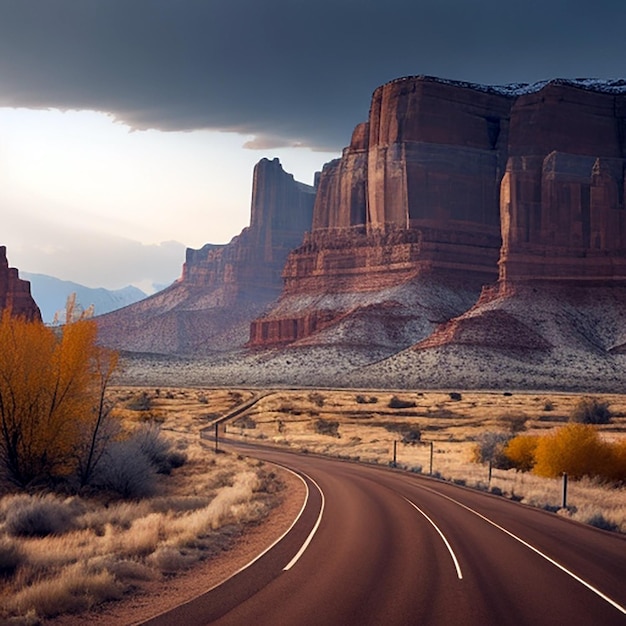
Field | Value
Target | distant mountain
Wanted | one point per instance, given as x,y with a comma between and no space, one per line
222,287
51,295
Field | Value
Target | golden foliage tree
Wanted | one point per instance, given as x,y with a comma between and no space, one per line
616,466
576,449
521,451
51,396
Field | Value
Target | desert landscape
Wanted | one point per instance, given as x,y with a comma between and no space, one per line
112,557
447,301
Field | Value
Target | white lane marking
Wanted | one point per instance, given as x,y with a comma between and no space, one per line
589,586
295,521
308,540
450,550
256,558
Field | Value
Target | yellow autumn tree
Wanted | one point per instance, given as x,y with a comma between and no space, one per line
521,451
576,449
51,397
616,463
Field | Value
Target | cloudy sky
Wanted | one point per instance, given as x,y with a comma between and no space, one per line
129,129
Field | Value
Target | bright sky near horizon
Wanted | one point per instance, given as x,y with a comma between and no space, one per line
168,106
78,185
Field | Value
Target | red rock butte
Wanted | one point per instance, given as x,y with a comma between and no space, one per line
562,195
453,182
222,287
15,293
414,197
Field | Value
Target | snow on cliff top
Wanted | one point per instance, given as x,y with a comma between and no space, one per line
617,86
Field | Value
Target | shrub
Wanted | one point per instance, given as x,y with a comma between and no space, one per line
316,398
127,471
513,422
11,557
548,405
235,397
361,399
327,427
397,403
599,521
37,516
576,449
156,448
456,396
490,448
521,452
77,589
140,402
245,421
411,435
615,468
589,410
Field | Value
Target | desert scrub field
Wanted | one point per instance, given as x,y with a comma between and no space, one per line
362,426
65,554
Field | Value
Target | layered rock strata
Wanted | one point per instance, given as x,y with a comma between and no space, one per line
562,195
414,197
222,287
15,293
563,215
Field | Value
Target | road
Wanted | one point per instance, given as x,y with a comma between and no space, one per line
382,547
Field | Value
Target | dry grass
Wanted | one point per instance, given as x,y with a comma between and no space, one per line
101,549
453,422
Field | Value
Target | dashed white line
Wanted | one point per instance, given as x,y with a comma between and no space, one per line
258,556
577,578
447,543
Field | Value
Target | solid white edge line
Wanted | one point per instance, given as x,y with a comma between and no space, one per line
308,540
257,557
589,586
450,550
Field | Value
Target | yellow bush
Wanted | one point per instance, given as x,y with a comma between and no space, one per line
576,449
616,461
51,397
521,451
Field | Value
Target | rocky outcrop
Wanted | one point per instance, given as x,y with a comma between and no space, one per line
438,178
222,287
414,197
281,211
15,293
447,187
563,214
562,195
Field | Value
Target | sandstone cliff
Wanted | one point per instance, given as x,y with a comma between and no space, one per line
447,187
493,216
223,287
563,214
14,292
412,207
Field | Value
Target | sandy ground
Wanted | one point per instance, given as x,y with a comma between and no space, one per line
159,596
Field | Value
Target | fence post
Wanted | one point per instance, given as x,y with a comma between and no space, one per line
430,469
490,469
394,452
564,499
216,427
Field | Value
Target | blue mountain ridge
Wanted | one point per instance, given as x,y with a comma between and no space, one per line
51,295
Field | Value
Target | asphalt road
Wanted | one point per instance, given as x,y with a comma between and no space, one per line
382,547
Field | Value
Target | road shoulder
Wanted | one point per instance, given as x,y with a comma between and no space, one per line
158,596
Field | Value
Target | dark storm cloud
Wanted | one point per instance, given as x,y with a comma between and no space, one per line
288,72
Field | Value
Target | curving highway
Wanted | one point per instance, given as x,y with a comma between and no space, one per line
380,547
